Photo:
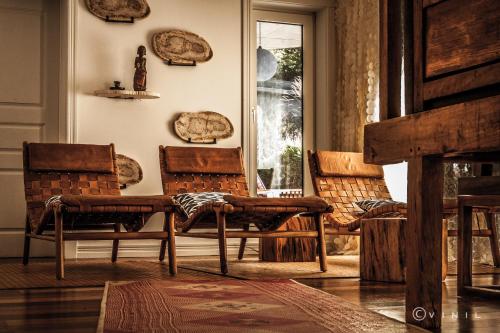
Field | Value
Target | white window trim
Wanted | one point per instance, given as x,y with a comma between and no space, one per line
323,75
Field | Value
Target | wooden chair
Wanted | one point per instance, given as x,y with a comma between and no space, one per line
475,192
75,187
194,170
342,178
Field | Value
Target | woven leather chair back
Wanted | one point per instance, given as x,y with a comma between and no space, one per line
41,184
341,191
200,181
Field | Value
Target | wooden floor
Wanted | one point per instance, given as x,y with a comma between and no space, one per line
77,309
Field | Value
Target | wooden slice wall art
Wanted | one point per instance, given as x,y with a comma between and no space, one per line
119,10
129,171
178,47
203,127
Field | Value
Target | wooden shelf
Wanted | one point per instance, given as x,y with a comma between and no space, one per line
127,94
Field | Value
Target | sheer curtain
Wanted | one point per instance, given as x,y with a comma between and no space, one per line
356,24
356,56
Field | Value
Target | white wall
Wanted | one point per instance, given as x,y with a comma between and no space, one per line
396,179
106,52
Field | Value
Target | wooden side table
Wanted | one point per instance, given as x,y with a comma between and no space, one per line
290,249
383,250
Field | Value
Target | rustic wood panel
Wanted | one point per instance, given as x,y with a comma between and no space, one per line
290,249
473,79
461,128
461,34
424,240
382,250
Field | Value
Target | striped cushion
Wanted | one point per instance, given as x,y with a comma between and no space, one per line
368,205
190,202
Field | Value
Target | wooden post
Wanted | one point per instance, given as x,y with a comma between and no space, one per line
59,244
391,55
320,228
172,257
116,243
464,255
27,240
221,230
424,242
163,244
243,243
490,224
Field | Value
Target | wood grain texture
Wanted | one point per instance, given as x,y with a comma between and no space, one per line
390,51
424,240
469,80
382,250
290,249
460,34
479,185
472,126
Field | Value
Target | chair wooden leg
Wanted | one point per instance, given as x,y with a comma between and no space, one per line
491,224
243,243
59,244
163,245
464,255
221,228
320,227
27,241
172,258
116,242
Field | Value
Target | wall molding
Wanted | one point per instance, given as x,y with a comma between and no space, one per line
193,247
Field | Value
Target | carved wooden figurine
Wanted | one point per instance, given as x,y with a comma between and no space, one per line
140,69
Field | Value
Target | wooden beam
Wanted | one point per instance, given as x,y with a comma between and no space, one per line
391,54
424,242
458,83
472,126
479,185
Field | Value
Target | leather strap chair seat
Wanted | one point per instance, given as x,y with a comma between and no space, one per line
195,170
75,187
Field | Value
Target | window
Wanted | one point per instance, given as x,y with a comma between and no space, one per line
282,92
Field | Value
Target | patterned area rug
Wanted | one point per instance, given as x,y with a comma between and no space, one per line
86,273
340,266
184,305
251,268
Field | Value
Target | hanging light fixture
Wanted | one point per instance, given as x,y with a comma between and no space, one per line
267,64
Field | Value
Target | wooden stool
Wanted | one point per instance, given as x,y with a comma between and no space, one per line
290,249
483,192
382,250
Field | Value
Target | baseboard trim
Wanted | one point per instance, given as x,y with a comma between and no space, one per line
87,250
